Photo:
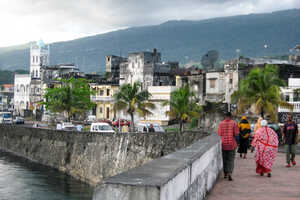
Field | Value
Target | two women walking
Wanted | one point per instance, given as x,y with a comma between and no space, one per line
265,141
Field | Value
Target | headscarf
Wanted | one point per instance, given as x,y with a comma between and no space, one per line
244,124
258,124
264,123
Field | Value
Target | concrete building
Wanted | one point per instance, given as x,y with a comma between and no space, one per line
195,79
215,86
103,97
291,94
113,65
21,93
6,96
39,56
146,68
238,69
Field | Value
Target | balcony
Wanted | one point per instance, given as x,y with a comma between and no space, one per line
102,98
296,107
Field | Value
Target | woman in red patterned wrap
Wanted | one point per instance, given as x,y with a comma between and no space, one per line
266,144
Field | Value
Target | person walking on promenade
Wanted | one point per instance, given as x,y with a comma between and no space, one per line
266,144
290,138
245,131
228,129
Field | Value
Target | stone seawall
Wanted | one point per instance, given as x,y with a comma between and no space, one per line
91,157
187,174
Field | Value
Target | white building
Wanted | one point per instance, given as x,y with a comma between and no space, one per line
146,68
21,92
215,86
39,56
291,94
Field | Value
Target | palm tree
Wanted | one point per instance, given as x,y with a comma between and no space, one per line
183,105
261,88
132,99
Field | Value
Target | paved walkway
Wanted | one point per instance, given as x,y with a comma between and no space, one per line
247,185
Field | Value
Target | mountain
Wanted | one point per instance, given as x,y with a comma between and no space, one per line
182,41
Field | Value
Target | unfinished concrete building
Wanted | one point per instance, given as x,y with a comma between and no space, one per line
113,65
148,69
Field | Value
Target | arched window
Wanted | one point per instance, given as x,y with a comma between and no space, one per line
33,59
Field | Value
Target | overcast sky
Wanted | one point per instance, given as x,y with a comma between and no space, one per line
57,20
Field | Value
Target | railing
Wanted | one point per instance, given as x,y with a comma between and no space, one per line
101,98
296,107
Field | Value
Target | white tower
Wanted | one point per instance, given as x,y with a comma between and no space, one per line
39,56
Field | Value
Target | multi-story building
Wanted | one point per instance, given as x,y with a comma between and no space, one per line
146,68
6,96
195,79
113,65
291,95
215,86
21,93
103,97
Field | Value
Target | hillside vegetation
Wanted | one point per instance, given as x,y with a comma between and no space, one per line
183,41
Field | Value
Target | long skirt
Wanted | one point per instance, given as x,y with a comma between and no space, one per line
260,169
243,146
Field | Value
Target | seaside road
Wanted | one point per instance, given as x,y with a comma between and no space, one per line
247,185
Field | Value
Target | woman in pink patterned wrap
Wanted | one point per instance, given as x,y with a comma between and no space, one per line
266,144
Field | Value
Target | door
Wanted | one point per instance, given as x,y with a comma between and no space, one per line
107,113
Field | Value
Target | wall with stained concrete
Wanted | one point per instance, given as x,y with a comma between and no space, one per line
91,157
187,174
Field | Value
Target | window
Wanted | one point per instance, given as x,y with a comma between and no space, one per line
108,92
212,83
287,98
33,59
230,81
37,59
101,110
101,92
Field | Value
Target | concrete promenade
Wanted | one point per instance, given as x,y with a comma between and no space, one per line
247,185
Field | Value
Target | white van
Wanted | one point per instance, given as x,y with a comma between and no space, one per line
101,127
6,118
144,127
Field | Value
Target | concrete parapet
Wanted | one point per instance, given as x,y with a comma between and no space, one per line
187,174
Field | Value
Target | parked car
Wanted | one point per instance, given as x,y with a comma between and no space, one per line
122,122
68,126
6,118
18,120
144,127
101,127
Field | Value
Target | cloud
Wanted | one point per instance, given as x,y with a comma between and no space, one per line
25,20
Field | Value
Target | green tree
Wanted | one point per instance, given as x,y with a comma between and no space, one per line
261,88
133,100
183,105
72,97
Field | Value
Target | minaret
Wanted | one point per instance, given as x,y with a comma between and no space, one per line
39,56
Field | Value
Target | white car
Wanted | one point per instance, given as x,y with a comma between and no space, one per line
144,127
68,126
101,127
